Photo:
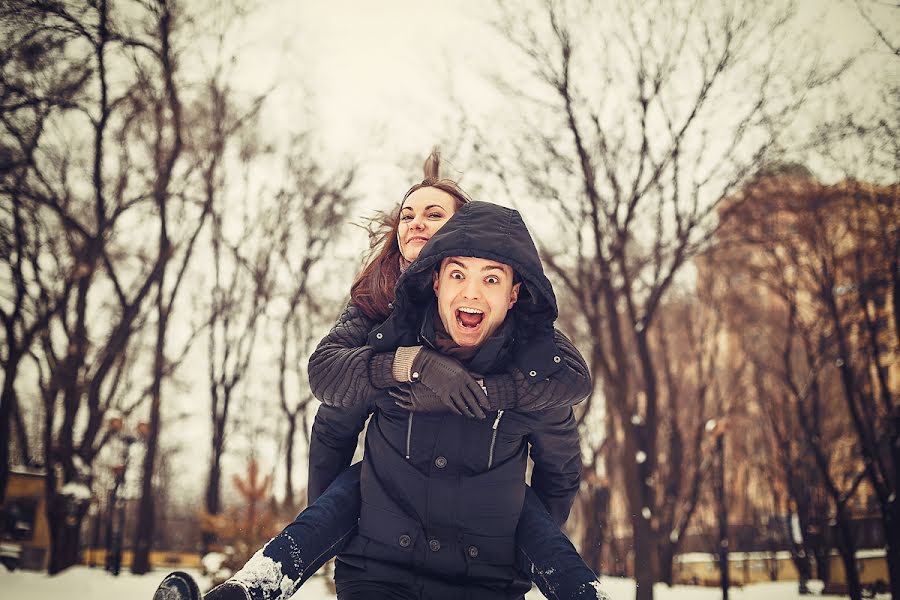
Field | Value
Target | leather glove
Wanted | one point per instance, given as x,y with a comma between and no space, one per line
418,398
446,378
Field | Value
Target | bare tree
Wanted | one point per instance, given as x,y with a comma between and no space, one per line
90,195
312,205
216,122
823,254
36,292
619,147
242,288
687,346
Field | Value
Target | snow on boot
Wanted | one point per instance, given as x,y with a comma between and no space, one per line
228,591
177,586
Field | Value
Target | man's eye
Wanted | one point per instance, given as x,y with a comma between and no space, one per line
456,275
492,280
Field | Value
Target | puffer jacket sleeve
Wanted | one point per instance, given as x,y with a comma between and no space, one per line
566,387
343,370
335,433
557,461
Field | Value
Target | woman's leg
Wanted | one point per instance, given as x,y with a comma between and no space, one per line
294,555
549,557
315,536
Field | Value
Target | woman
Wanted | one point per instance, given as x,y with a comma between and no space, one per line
322,530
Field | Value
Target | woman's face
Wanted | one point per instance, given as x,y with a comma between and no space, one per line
422,214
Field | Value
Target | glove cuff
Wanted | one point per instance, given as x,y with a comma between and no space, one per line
403,362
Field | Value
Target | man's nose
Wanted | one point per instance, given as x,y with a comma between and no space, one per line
472,289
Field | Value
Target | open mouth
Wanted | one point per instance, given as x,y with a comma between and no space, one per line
469,318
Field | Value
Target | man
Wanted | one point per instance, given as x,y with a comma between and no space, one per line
441,493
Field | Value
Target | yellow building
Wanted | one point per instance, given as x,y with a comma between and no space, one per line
25,534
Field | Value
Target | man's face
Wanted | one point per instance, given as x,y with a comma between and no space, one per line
474,295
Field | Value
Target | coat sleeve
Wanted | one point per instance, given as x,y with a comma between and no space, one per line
556,453
343,370
566,387
335,434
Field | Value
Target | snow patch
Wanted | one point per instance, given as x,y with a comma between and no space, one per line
76,490
212,561
601,595
96,584
265,574
83,469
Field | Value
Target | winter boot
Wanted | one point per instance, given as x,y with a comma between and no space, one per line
229,590
177,586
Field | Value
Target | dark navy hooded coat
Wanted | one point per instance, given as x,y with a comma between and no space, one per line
441,493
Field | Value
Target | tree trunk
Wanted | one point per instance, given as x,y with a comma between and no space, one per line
144,535
722,506
891,518
643,557
213,487
597,504
289,463
6,400
65,530
640,524
666,551
21,436
821,554
847,550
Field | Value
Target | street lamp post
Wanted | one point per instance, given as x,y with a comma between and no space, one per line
115,526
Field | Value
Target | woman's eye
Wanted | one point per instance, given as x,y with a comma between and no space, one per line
436,215
406,217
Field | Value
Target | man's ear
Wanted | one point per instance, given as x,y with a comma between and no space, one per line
514,294
436,278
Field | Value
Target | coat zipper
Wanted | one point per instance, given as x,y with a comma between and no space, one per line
408,433
493,438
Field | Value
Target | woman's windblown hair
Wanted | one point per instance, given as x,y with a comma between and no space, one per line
373,290
432,167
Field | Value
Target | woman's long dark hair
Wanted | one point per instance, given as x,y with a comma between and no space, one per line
373,289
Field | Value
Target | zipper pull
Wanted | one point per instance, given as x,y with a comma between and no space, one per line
497,420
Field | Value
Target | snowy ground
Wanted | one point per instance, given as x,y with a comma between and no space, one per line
96,584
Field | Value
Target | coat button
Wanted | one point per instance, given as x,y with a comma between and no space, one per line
404,541
379,335
473,551
556,359
434,545
440,462
390,305
532,373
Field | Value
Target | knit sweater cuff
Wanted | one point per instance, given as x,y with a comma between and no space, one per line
501,392
381,371
404,357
